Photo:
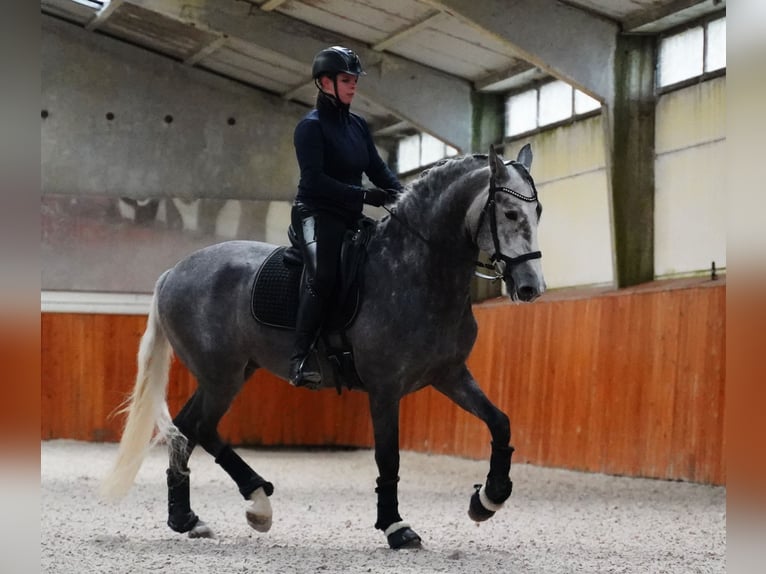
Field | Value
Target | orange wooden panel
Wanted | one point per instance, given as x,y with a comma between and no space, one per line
626,382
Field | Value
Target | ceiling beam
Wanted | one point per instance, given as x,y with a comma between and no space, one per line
103,15
518,67
292,92
271,5
408,31
568,43
205,51
393,129
433,101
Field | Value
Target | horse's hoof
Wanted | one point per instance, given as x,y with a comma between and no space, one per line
481,507
404,537
257,521
259,513
201,530
476,511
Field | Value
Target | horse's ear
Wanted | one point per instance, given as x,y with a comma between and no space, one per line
525,156
496,166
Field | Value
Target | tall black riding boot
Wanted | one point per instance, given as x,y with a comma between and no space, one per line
308,322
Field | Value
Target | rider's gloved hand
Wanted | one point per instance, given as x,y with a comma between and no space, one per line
393,195
375,196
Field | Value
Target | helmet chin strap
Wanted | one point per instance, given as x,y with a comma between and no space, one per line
332,96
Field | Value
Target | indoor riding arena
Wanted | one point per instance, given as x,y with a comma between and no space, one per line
167,127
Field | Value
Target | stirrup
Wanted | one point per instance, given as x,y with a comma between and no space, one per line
310,379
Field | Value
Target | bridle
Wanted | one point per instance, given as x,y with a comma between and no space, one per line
489,211
490,208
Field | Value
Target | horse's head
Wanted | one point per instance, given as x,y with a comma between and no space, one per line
506,226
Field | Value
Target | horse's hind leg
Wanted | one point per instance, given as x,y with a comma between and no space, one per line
465,392
181,517
200,424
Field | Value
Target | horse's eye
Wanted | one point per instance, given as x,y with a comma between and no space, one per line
512,215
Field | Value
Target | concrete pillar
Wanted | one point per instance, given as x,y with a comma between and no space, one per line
629,123
488,111
488,128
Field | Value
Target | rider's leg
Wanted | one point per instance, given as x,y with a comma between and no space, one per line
321,237
308,322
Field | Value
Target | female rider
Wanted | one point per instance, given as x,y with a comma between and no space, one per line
334,147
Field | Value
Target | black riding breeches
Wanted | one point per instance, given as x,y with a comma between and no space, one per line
321,237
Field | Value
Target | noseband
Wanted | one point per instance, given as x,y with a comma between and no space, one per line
490,210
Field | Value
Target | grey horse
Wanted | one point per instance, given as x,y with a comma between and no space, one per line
414,328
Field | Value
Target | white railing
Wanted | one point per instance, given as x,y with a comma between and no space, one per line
90,302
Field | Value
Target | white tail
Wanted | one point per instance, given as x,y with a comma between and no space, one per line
146,407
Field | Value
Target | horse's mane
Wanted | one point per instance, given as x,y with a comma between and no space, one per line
434,182
443,192
448,170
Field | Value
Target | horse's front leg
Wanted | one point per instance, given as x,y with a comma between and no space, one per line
465,392
385,423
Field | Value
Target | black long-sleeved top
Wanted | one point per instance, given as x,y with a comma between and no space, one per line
334,147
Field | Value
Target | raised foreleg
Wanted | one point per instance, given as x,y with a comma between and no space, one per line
385,422
465,392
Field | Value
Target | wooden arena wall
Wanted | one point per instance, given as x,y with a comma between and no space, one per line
628,382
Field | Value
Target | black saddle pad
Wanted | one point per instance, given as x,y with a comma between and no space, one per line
275,292
274,295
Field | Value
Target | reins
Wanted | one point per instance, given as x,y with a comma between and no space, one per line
417,234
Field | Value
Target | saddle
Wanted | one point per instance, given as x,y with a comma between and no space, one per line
275,295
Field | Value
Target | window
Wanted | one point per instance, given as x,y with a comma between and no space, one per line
681,56
583,103
555,103
691,53
409,153
431,149
715,57
421,149
548,104
521,113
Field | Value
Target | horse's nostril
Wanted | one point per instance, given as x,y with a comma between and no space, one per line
527,293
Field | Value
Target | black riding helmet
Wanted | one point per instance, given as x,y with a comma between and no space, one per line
331,61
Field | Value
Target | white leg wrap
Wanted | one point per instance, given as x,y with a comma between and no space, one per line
394,527
487,503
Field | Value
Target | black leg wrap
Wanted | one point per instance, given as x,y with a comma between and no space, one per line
180,515
499,485
388,503
246,478
500,460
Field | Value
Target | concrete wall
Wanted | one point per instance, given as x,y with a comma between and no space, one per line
137,153
125,198
569,168
691,197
